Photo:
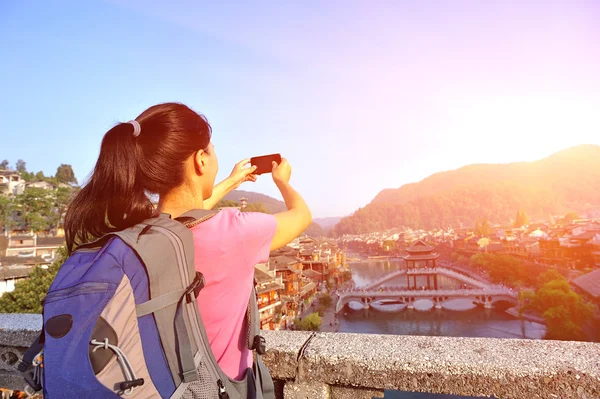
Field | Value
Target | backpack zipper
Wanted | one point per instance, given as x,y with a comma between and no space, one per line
90,287
222,392
189,225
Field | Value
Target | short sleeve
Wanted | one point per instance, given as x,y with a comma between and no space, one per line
257,231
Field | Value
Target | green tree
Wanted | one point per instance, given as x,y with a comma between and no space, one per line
65,174
36,208
40,175
477,228
28,294
325,300
61,197
565,311
486,228
21,166
6,209
4,165
226,204
255,207
312,322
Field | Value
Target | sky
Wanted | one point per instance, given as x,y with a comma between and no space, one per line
358,95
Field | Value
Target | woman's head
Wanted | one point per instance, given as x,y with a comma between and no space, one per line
172,150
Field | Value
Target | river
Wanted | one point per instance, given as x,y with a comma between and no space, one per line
458,318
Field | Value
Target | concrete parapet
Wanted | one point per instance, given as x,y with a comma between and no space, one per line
340,366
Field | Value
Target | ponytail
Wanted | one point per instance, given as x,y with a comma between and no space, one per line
114,197
145,156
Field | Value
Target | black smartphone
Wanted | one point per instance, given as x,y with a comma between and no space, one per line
264,163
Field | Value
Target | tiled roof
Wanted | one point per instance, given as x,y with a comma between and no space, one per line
589,283
310,273
50,241
18,260
10,272
269,287
308,287
262,277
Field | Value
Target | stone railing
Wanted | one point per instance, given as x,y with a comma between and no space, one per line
360,366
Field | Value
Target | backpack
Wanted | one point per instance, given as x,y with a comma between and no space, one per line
121,320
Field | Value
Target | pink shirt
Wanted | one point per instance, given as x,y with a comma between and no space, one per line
227,247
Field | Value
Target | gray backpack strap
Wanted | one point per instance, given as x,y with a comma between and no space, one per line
196,216
264,386
165,244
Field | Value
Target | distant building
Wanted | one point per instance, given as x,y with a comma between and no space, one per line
41,184
11,183
268,289
32,245
243,202
420,256
14,269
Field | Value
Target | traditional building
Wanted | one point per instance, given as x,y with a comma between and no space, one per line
289,270
268,289
420,256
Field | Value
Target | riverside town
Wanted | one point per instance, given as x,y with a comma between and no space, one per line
348,200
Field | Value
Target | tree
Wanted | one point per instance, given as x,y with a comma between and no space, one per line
312,322
477,228
36,208
325,300
40,175
61,197
524,218
486,228
65,174
6,209
521,219
21,166
28,294
4,165
226,204
565,311
570,217
255,207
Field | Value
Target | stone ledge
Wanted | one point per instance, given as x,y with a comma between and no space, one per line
359,365
282,352
506,368
19,329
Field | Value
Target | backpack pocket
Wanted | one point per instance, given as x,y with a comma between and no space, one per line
70,315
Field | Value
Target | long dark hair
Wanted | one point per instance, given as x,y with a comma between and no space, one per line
130,168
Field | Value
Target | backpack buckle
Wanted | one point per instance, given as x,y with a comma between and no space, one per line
259,344
195,287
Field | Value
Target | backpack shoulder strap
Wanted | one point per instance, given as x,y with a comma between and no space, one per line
196,216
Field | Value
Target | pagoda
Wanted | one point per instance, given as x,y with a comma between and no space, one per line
420,260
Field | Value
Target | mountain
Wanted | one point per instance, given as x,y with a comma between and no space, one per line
271,204
327,223
568,180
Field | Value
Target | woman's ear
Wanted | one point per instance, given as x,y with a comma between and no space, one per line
199,162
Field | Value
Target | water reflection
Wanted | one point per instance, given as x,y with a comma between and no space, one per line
457,318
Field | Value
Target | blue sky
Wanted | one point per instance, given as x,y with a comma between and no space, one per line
359,96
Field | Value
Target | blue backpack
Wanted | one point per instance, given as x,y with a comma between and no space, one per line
121,320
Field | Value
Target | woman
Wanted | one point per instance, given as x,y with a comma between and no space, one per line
167,152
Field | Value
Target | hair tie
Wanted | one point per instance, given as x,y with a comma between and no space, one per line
137,129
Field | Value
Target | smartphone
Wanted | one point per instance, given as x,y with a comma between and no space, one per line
264,163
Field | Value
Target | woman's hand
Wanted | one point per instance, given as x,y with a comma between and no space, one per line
242,173
281,172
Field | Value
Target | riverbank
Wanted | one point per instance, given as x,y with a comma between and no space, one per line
525,316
